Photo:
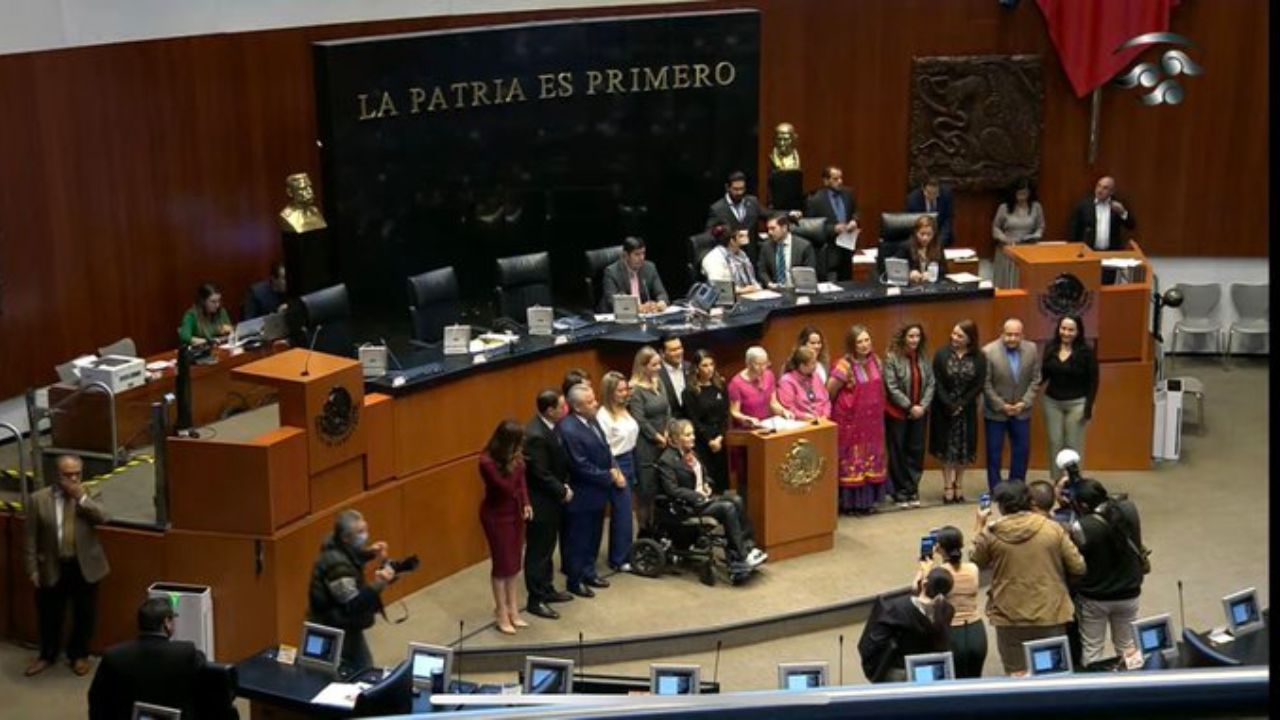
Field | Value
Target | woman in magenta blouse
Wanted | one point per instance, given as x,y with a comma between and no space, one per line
753,392
801,390
503,513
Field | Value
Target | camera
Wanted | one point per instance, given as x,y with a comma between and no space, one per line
1069,460
408,564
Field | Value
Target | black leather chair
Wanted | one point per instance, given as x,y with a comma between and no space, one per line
330,311
216,692
523,281
1197,653
434,302
595,262
699,246
895,231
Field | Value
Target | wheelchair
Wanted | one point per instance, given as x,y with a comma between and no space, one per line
678,536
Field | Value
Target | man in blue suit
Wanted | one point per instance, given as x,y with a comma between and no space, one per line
592,472
932,197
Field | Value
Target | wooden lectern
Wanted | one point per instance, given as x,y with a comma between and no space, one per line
791,487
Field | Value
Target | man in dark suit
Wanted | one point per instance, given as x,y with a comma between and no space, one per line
783,252
673,374
633,275
151,668
267,296
835,204
1100,220
931,197
1013,376
65,561
547,476
591,472
736,210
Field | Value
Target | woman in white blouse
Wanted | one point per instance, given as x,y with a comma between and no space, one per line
621,430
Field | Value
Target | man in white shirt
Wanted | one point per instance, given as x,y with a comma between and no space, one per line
728,262
1100,219
783,252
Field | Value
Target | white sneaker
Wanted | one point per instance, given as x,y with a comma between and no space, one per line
915,503
625,567
756,557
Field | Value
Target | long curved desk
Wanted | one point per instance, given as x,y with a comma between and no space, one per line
249,523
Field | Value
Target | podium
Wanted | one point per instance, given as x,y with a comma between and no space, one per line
791,487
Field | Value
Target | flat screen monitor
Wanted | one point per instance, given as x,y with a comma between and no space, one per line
147,711
1242,612
674,679
930,667
1154,634
725,293
430,665
804,279
321,647
547,676
1050,656
897,271
802,676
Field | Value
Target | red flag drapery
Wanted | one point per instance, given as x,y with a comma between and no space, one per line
1087,32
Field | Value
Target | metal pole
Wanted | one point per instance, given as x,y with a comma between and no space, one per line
159,438
1094,117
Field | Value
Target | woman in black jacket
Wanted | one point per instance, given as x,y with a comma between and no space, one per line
907,625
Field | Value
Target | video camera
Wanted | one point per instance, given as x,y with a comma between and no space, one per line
406,565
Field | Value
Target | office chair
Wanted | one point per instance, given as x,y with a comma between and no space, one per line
434,302
123,346
392,695
329,312
699,246
1197,653
895,231
523,281
596,261
215,692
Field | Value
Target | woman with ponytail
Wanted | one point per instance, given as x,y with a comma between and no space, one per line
907,625
968,634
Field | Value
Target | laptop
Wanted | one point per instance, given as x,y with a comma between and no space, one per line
897,271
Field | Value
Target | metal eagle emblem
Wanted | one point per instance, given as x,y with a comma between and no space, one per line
801,468
338,418
1066,295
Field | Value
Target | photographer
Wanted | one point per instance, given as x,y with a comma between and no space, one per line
339,596
907,625
1109,535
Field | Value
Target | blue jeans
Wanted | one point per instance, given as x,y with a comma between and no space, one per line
1019,432
620,513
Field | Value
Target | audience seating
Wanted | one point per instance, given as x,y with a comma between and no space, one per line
1199,315
329,310
1253,312
434,302
523,281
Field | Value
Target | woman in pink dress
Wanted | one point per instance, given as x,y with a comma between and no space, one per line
857,407
801,390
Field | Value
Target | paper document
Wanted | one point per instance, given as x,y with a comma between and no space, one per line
871,252
1220,636
778,424
963,277
828,287
671,310
604,317
848,240
864,259
1121,262
959,253
342,695
761,295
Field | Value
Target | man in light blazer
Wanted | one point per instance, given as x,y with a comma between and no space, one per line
793,249
633,275
1013,374
65,561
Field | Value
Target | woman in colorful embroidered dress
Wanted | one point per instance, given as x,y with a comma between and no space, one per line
857,407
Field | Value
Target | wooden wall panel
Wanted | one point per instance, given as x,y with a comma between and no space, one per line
137,170
450,496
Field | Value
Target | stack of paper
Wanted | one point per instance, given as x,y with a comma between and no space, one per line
760,295
778,424
342,695
828,287
963,277
959,253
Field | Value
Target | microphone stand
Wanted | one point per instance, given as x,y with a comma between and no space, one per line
306,364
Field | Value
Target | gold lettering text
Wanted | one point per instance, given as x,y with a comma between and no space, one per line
365,112
701,76
479,94
437,100
680,77
387,108
416,96
655,82
725,72
458,88
515,93
615,81
594,78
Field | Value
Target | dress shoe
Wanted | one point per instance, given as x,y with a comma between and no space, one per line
559,596
37,666
584,591
505,628
543,610
80,666
596,582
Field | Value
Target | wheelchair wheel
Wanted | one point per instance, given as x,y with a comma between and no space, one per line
648,558
708,573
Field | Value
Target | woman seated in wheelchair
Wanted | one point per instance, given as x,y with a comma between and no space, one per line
682,478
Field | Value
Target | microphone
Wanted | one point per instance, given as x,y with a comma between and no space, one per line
306,364
715,674
461,625
390,354
582,663
1182,612
841,662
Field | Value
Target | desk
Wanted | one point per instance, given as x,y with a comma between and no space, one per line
1252,648
83,423
864,267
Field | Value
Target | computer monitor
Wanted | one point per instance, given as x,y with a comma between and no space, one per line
897,271
930,667
431,665
726,295
1050,656
804,279
147,711
674,679
802,676
321,647
547,676
1241,608
392,695
1154,635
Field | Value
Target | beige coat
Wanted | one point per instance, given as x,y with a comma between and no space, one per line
42,538
1002,387
1030,557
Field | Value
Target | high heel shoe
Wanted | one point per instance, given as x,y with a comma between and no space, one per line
518,622
503,625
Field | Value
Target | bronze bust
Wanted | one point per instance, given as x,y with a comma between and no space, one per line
301,214
784,155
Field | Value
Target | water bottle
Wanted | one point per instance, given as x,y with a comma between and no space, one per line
931,272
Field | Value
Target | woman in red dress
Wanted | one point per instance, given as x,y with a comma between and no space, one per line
503,514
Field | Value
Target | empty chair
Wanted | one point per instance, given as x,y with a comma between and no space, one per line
1197,653
434,302
596,261
216,691
123,346
326,318
523,281
1253,310
699,246
1199,314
